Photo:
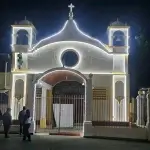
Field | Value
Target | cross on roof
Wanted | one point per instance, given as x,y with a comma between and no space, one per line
71,6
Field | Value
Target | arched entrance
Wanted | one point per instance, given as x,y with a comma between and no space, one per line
59,100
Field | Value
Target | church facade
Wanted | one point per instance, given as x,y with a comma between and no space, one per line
70,62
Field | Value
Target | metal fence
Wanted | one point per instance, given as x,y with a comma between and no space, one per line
60,113
66,112
17,108
3,102
105,114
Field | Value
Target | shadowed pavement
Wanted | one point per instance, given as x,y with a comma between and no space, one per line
47,142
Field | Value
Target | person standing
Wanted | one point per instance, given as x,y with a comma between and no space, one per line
21,119
7,120
26,125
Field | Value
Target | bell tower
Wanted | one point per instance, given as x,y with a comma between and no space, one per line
118,41
23,37
118,37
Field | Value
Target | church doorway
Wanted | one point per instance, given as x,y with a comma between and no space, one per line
60,102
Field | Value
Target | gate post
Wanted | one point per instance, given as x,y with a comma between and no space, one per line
30,102
87,126
43,108
140,108
148,115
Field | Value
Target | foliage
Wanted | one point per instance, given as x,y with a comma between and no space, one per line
142,55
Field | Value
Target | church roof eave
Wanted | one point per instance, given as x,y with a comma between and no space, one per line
71,41
73,33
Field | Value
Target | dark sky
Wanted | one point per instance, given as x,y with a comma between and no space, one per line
92,16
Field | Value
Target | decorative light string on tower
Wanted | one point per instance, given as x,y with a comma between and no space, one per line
19,60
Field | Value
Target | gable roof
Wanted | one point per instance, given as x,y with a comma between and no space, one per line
71,32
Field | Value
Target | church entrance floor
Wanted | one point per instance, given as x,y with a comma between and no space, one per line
67,131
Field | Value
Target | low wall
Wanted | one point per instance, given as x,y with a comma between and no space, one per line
115,132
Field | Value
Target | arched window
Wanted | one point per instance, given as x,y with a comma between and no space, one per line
118,38
22,37
19,89
119,90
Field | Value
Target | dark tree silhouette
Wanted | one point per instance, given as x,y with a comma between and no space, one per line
142,55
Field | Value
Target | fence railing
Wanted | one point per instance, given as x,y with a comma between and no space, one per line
106,112
3,102
60,112
102,109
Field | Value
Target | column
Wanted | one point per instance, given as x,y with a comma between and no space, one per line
43,108
87,127
148,114
143,99
148,108
140,108
89,95
49,105
30,101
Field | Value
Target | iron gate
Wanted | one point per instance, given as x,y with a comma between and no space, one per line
3,102
63,113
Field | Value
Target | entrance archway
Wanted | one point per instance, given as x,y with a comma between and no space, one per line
59,108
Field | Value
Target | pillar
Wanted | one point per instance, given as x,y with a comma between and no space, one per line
140,108
30,102
43,108
89,97
49,107
148,114
87,129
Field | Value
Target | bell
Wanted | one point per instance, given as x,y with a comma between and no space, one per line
118,39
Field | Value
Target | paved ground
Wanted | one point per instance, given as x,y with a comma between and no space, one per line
46,142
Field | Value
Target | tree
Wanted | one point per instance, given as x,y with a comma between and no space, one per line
142,55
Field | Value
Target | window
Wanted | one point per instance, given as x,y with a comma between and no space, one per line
118,38
22,37
70,58
100,94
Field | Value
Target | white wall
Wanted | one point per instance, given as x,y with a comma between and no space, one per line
119,63
93,59
102,109
103,80
114,132
2,80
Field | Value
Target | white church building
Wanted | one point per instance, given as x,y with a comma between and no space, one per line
70,80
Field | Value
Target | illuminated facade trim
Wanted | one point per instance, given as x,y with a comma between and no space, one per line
38,80
15,29
105,63
15,77
122,78
81,32
125,30
70,49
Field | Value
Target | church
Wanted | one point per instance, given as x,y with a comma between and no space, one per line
70,80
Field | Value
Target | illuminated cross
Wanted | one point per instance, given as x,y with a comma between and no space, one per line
71,6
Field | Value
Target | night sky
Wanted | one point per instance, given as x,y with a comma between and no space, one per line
92,16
